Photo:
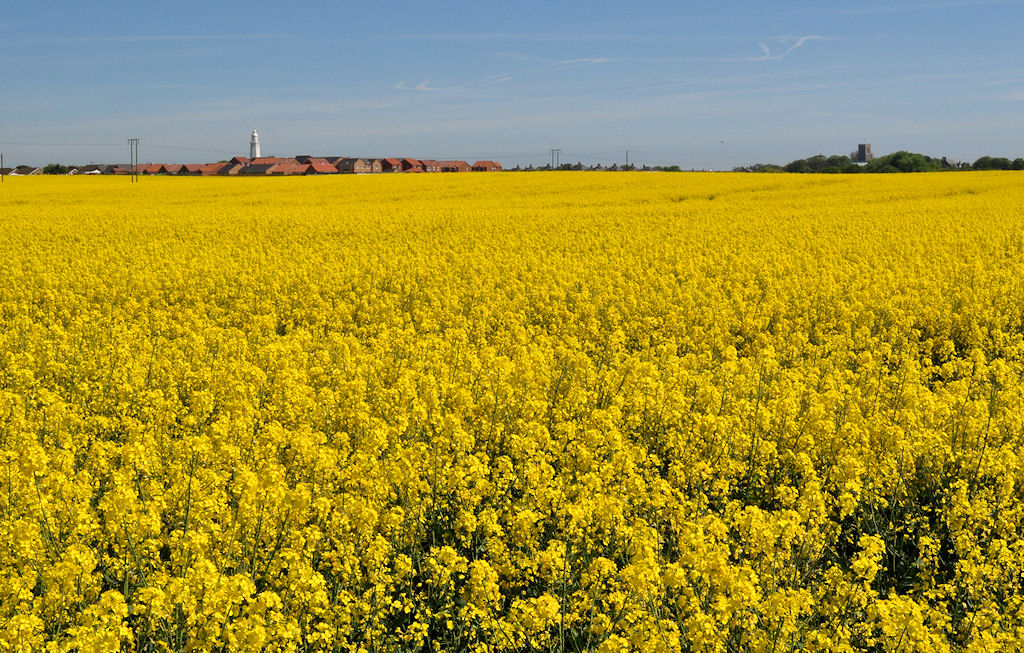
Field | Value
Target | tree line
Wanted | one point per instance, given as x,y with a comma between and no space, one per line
901,161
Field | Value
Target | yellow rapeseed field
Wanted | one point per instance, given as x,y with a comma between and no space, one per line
508,412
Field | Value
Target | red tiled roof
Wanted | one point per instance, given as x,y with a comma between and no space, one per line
205,168
289,167
256,169
322,167
272,160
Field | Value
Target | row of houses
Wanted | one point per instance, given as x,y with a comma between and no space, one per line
21,171
310,165
91,169
264,166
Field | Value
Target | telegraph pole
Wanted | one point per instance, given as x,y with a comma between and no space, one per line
133,150
1,167
556,154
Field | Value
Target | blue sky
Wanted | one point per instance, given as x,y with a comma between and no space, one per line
699,84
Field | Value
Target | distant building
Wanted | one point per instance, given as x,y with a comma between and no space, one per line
290,168
455,166
254,145
390,165
162,169
350,165
412,165
318,165
486,166
210,169
256,169
863,154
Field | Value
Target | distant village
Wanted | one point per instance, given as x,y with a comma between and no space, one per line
305,165
861,160
272,166
257,165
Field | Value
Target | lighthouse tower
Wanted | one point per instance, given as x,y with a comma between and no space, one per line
254,145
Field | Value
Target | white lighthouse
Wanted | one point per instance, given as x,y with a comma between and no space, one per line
254,145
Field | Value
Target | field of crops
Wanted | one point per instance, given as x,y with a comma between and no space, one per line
550,411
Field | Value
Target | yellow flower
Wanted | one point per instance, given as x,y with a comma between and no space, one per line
695,412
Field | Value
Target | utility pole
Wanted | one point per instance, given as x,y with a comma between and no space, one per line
556,154
1,167
627,158
133,150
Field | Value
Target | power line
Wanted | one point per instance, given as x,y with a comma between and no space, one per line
155,147
65,144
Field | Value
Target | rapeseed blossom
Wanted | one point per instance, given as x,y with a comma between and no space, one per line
572,412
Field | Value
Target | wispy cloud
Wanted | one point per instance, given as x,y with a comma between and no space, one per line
426,87
158,38
768,55
496,37
26,60
227,111
495,79
578,63
894,8
498,78
744,81
873,118
140,39
176,87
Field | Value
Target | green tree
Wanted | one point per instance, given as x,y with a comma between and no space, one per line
993,163
840,163
819,163
800,165
904,161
